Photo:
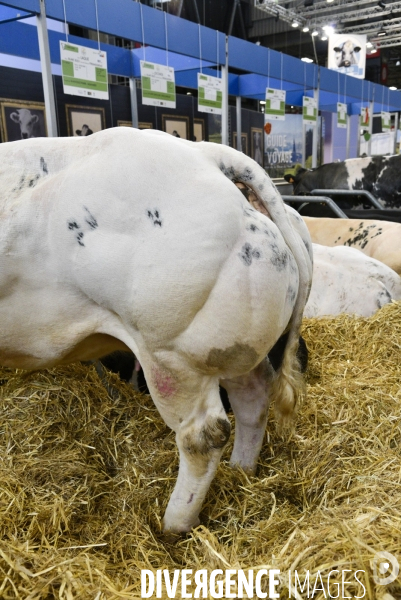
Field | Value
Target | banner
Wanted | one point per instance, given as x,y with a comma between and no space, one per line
309,110
341,115
386,121
210,94
275,104
364,119
347,54
283,144
84,71
158,85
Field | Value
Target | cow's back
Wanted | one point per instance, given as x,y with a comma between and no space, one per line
377,239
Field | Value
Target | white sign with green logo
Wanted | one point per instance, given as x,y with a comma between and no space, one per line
364,120
84,71
275,104
158,84
341,115
386,121
210,94
309,110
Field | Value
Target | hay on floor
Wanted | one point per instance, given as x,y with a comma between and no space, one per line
85,479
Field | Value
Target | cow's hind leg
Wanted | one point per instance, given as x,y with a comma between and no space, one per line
249,398
191,406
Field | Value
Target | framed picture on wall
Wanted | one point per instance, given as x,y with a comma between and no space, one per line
140,124
22,120
177,126
257,145
84,120
244,142
199,130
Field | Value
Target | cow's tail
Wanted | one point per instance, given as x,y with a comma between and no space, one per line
288,385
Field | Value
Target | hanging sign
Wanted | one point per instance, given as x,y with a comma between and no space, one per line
309,110
84,71
158,84
364,120
347,54
210,94
386,121
341,115
275,104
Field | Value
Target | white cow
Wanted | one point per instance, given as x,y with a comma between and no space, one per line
347,281
136,240
345,54
27,122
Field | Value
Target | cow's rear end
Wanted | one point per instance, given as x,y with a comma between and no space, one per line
140,241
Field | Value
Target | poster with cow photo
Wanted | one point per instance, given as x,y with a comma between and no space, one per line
84,120
347,54
22,120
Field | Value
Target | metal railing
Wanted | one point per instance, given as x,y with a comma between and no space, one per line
317,200
376,203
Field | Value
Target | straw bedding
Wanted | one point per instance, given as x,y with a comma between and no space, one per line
85,478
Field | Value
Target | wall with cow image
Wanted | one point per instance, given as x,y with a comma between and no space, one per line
24,91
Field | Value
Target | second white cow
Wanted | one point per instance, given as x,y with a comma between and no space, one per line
347,281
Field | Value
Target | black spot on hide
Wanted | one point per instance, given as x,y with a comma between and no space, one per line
248,253
43,165
90,219
155,217
279,257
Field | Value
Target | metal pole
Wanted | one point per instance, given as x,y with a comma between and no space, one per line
347,143
395,132
315,131
239,124
134,102
224,113
44,51
371,108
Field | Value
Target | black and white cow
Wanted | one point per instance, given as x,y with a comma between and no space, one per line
140,241
27,122
345,54
380,175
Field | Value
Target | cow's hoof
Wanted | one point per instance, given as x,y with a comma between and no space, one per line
248,469
178,529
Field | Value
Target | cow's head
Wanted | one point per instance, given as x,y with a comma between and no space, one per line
345,54
26,120
86,130
300,186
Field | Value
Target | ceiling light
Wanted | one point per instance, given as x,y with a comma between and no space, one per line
305,29
323,38
381,33
307,60
328,1
372,50
381,4
294,24
262,101
314,32
369,44
328,29
392,87
398,63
